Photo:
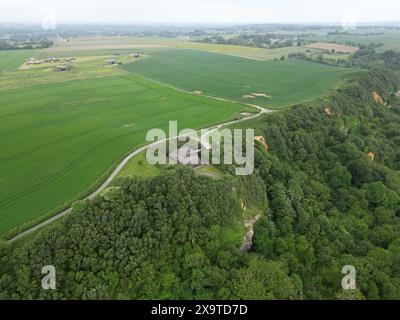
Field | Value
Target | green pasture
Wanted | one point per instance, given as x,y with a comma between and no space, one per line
273,84
139,167
96,51
12,59
60,133
81,45
57,140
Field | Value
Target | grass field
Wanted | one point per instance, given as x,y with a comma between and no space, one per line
240,51
139,167
84,67
12,59
273,84
57,140
60,133
209,171
93,44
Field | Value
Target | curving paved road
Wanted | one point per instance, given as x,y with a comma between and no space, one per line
122,165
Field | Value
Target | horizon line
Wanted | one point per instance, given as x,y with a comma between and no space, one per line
160,23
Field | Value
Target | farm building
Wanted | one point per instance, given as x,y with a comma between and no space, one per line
32,61
62,68
186,156
111,61
49,60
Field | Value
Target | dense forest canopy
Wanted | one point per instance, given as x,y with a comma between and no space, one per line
328,191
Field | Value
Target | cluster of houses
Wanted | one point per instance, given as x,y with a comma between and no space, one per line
50,60
63,68
31,61
115,62
60,68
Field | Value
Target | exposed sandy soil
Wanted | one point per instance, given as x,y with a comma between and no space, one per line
256,95
261,95
371,155
248,239
332,46
377,98
248,96
328,111
262,140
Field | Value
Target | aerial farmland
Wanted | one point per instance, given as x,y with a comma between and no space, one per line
199,150
68,129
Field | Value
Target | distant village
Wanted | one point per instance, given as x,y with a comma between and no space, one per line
31,61
63,68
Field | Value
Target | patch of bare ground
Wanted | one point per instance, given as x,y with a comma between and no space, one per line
248,239
248,96
378,98
262,140
328,111
264,95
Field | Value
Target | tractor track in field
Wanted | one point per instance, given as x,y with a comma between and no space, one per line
125,161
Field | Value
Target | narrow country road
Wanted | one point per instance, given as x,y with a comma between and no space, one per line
121,166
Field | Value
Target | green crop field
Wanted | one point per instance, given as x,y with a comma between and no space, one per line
12,59
61,133
58,139
273,84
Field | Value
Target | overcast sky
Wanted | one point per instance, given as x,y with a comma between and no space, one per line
199,11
